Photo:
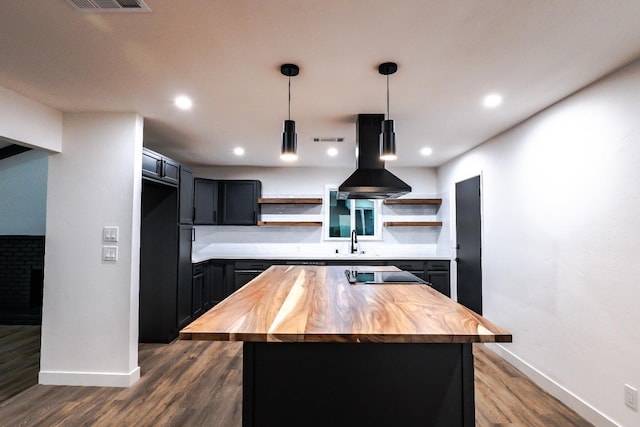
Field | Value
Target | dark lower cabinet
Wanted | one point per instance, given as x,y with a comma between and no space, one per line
210,285
198,295
439,281
185,286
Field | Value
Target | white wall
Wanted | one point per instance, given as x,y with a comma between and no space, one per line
23,194
311,181
29,122
561,238
90,312
292,181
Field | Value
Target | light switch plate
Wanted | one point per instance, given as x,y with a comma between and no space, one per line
110,234
110,253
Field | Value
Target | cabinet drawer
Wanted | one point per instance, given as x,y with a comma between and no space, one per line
409,265
438,265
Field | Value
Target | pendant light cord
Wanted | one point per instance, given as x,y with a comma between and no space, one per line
289,97
387,96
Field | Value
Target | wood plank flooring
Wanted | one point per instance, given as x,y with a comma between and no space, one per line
19,358
199,383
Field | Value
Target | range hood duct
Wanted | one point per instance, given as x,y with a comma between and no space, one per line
371,180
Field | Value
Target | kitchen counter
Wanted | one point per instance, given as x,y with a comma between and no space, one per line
306,251
319,351
317,304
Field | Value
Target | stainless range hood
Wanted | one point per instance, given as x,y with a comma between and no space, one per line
371,180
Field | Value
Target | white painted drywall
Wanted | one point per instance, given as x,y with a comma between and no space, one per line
29,122
561,238
23,194
311,181
292,181
90,312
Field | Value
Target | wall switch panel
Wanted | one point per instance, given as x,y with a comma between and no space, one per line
110,253
110,234
631,397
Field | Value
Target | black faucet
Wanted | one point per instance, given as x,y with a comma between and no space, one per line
354,242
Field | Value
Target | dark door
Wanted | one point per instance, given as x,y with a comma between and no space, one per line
185,276
468,225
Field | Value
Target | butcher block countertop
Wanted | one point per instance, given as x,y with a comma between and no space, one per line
292,303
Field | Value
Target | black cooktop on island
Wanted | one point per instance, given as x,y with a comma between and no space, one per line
383,278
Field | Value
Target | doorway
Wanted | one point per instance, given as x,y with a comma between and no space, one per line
23,174
469,244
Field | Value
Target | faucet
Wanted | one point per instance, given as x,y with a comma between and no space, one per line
354,242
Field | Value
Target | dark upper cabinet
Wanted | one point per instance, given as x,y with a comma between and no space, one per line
205,202
239,202
157,167
186,195
226,202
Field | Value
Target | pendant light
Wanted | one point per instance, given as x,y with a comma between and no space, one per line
289,150
388,135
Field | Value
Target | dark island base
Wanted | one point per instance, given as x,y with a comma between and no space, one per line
335,384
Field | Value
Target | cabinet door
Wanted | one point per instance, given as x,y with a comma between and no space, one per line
439,281
186,195
151,164
239,202
205,201
185,276
241,278
217,283
170,171
197,294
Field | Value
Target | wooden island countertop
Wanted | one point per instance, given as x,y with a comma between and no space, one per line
296,303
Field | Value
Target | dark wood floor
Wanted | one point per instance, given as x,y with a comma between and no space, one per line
191,383
19,358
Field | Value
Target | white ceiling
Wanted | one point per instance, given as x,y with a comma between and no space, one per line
226,55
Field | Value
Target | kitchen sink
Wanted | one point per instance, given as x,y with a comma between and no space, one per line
383,278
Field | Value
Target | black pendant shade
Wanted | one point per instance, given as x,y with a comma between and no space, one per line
388,141
289,150
387,134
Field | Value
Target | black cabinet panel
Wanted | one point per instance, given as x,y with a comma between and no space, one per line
217,285
442,265
158,263
205,202
439,281
239,202
186,195
184,290
157,167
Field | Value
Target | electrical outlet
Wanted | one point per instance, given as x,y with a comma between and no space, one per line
631,397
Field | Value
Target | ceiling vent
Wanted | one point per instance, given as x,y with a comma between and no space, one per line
109,5
328,139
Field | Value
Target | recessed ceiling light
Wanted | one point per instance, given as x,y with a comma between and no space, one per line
426,151
492,100
183,102
332,152
238,151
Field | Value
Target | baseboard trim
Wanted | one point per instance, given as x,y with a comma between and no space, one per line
584,409
98,379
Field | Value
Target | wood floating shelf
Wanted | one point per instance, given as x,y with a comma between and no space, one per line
413,201
290,200
413,224
291,223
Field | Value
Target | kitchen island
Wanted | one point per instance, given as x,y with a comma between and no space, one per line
321,351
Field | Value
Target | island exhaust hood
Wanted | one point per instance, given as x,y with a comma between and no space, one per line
371,180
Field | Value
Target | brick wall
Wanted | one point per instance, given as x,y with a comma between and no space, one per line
21,268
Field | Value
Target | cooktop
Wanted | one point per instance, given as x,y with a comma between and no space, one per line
383,278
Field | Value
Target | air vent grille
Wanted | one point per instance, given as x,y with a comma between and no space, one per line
328,139
109,5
